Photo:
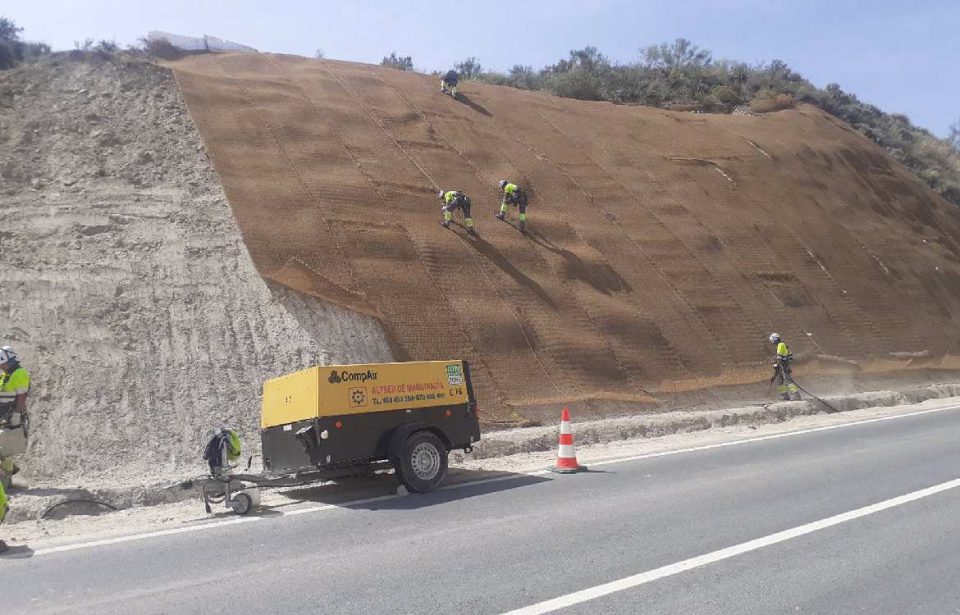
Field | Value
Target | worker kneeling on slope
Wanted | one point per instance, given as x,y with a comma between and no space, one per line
782,370
515,196
14,386
448,82
452,201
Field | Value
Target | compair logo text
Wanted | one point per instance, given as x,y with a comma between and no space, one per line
345,376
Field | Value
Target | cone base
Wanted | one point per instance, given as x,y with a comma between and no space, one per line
559,470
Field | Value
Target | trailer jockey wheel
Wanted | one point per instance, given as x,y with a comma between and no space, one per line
423,462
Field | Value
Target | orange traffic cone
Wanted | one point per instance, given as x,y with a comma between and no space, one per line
566,456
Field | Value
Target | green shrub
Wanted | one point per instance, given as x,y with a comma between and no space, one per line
470,69
12,49
162,48
769,102
397,62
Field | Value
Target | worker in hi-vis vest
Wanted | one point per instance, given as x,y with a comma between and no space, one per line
782,370
452,201
14,386
513,195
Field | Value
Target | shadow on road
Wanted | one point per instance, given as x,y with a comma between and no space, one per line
380,492
17,552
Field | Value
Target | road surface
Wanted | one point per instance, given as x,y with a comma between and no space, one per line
856,519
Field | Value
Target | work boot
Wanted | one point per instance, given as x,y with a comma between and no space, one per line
472,231
795,397
444,224
3,546
523,225
500,215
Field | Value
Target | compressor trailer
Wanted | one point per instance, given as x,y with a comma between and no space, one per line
328,422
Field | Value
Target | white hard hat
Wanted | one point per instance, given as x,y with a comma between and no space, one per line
4,356
503,183
440,194
774,338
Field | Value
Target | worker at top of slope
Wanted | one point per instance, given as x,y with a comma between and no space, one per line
452,201
782,370
14,386
448,82
513,195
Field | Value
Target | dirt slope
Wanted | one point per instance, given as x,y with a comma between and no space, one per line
126,287
665,246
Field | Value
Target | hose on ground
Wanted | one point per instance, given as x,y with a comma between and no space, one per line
50,509
832,409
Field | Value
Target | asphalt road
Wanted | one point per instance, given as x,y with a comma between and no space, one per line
518,542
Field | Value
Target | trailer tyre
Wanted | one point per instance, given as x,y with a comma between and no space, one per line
423,462
241,503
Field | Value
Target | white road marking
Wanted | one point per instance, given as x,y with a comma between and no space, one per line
777,436
133,537
483,481
637,580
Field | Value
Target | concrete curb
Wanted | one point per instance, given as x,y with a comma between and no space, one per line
536,439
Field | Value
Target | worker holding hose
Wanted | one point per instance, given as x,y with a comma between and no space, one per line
782,370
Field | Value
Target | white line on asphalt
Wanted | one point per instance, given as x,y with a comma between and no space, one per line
132,537
483,481
637,580
776,436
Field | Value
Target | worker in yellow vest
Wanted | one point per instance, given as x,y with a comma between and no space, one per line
782,370
14,387
513,195
452,201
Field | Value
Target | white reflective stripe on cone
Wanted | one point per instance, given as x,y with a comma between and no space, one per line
566,451
565,427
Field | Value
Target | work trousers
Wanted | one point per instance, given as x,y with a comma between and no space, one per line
786,387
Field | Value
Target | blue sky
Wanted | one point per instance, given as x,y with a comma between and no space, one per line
903,56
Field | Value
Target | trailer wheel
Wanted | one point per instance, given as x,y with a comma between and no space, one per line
423,462
241,503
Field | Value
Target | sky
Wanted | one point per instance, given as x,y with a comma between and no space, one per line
902,56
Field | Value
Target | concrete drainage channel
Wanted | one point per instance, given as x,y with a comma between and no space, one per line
49,503
53,503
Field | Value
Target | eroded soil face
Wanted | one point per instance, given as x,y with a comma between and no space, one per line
126,287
